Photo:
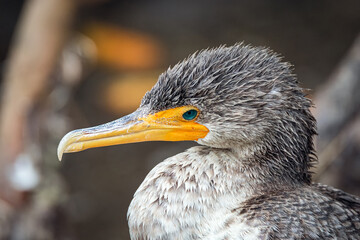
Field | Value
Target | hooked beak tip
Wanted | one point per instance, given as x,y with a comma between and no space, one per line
61,148
64,143
59,156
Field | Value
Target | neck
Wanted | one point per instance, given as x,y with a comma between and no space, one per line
267,168
200,182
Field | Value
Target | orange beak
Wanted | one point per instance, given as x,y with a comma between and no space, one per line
166,125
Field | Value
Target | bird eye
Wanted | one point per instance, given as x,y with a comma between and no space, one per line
190,115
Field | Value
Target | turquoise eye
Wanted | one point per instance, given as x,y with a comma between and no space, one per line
190,115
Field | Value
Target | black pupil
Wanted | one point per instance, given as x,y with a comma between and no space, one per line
189,115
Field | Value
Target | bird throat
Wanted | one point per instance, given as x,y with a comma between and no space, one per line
181,190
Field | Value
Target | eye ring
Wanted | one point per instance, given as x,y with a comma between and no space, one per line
190,114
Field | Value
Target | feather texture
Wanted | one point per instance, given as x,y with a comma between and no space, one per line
251,179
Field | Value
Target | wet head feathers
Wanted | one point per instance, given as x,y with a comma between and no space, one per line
247,97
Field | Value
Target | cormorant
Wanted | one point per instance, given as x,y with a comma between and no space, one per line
250,179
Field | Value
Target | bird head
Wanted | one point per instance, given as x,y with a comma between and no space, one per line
228,97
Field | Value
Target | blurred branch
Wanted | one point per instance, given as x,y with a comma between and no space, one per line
39,39
337,105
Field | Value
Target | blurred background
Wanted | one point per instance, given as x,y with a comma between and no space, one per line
69,64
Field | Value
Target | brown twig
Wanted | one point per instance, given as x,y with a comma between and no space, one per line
39,39
338,104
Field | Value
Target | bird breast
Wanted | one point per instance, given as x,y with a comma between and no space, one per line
178,193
